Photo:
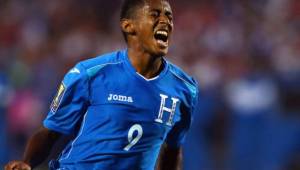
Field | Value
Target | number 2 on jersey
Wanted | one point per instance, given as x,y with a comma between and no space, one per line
132,141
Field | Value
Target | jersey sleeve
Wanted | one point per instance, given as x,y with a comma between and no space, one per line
70,103
176,136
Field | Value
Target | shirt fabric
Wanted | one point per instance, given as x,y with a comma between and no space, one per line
120,118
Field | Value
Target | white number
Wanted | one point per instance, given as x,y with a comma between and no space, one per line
131,141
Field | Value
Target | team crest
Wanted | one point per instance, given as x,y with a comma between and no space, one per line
58,97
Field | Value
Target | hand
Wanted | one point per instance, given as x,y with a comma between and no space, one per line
17,165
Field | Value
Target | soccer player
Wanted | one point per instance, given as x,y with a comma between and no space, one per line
125,107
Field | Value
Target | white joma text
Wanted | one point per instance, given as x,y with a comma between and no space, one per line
116,97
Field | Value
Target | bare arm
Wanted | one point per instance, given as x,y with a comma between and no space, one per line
37,150
169,158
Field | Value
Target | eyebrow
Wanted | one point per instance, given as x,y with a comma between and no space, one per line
168,11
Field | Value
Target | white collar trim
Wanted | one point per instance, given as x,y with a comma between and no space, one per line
154,78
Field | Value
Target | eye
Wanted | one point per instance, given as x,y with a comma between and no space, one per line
169,15
154,14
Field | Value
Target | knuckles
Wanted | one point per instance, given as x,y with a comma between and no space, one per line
17,165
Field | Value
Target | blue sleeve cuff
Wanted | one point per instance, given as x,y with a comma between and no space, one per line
49,125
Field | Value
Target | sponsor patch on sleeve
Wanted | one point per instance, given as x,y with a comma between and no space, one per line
58,97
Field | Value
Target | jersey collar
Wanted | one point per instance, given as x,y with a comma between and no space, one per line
133,71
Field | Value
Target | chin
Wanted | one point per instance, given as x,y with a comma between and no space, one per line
161,52
164,53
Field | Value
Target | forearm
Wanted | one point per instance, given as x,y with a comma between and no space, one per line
170,159
39,147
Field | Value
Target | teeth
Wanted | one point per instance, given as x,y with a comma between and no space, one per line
162,33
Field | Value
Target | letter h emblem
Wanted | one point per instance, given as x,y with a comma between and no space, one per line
163,109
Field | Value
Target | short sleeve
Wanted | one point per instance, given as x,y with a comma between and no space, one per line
176,136
70,103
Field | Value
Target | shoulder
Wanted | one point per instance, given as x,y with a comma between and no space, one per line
94,65
188,81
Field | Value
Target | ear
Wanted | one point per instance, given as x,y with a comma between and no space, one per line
127,26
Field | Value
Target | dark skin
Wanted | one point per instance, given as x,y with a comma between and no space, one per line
169,158
145,53
37,150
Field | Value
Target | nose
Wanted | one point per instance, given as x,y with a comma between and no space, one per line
163,19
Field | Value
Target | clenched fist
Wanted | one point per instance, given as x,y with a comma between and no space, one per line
17,165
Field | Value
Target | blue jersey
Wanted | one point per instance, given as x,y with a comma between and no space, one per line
123,118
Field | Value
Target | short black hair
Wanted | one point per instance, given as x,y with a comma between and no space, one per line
128,10
129,7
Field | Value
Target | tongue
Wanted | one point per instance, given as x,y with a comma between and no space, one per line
162,43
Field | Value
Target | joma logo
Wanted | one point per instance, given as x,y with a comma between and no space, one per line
116,97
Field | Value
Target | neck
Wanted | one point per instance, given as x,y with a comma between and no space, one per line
145,64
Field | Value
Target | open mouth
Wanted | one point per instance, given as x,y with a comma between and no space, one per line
161,37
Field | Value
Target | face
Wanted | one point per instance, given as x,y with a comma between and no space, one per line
153,25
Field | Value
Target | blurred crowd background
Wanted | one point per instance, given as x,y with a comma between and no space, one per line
244,53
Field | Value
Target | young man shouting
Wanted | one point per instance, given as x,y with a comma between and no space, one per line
129,105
